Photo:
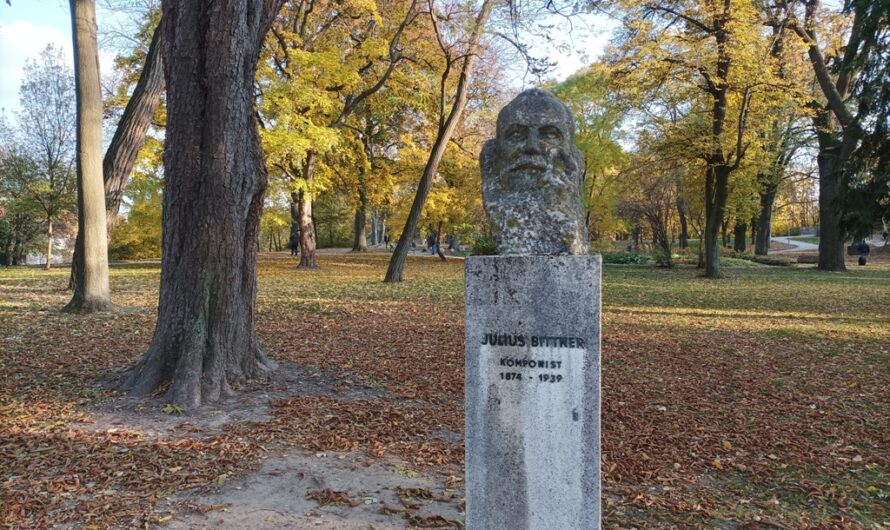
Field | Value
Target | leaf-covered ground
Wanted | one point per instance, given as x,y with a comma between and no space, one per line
758,401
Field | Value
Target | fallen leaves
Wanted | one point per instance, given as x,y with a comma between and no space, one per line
760,396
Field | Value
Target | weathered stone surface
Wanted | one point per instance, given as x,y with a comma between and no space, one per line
531,178
533,392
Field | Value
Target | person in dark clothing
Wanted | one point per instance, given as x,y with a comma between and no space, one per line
864,251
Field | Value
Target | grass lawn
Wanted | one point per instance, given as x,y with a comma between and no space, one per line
761,400
807,239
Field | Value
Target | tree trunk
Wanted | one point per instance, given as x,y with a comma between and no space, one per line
446,129
438,243
129,136
831,236
294,241
740,234
360,239
308,259
91,289
49,244
765,220
684,225
716,194
215,180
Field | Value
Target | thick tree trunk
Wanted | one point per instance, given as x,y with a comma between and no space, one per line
740,233
446,129
91,289
716,193
49,244
765,220
308,259
215,179
831,237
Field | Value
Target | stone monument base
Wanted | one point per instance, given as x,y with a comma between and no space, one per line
533,392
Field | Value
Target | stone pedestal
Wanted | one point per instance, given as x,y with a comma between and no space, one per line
533,392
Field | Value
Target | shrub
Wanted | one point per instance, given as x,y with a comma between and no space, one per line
624,258
483,246
773,260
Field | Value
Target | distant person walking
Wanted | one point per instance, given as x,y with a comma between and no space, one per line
864,251
431,243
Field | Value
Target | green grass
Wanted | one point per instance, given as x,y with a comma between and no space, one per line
814,240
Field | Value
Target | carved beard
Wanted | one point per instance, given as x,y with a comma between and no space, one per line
539,212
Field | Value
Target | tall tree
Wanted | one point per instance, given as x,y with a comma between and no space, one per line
91,288
45,137
841,123
215,180
129,135
718,57
325,61
460,60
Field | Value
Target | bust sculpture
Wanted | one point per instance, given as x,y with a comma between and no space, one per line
532,177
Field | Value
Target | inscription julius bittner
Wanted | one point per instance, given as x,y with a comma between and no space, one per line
535,341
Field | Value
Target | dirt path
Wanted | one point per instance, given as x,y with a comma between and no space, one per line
278,495
292,487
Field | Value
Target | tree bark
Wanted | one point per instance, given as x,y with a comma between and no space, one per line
360,239
130,132
308,258
49,243
765,219
831,236
684,225
91,288
446,129
294,241
215,180
716,192
740,233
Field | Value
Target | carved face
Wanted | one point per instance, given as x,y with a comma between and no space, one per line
531,179
535,143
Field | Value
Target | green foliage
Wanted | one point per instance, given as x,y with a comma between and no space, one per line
172,408
483,246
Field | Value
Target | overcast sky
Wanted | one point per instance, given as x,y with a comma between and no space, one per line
28,26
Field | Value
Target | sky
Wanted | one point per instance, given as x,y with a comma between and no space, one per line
28,26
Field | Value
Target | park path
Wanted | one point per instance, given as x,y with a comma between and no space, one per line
799,246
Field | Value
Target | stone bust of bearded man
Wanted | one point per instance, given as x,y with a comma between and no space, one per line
532,178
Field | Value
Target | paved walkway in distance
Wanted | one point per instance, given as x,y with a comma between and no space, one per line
799,246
